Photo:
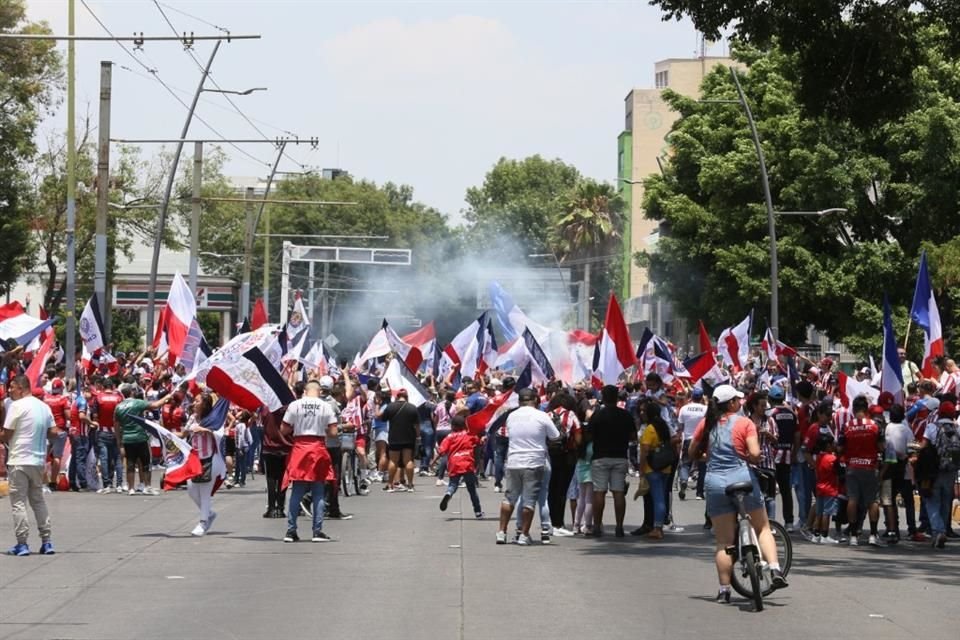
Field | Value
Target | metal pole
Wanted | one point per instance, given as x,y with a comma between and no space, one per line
310,295
285,280
266,243
103,190
771,223
71,338
325,302
165,203
195,214
247,257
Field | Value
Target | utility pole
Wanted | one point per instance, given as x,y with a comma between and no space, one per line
71,338
195,214
165,203
310,294
266,240
103,193
247,256
325,311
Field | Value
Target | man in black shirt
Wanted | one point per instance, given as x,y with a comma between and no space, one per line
404,422
611,429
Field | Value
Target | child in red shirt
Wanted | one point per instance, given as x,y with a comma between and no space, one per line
827,489
459,448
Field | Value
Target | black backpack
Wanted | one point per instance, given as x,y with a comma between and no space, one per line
948,447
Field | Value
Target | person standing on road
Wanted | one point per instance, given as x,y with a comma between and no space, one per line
311,421
861,442
689,417
136,442
404,421
203,426
944,438
27,427
611,430
528,429
333,443
730,441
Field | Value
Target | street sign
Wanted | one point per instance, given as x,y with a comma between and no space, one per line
331,341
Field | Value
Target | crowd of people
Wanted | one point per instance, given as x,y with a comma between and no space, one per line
552,453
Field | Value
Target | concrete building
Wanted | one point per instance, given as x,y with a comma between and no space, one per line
641,147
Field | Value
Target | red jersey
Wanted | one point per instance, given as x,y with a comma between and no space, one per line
107,403
171,416
828,481
860,444
459,447
60,406
78,427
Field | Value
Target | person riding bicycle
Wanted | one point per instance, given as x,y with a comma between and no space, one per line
730,442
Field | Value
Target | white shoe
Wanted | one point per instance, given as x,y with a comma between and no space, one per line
816,540
501,537
523,540
200,529
672,528
561,532
440,483
874,541
498,489
789,527
46,489
151,491
132,492
828,540
854,541
103,490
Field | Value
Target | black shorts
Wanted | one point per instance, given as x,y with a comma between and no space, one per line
402,446
231,447
137,453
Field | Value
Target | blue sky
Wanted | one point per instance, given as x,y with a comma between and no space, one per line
429,94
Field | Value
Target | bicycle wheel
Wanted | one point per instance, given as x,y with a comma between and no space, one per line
784,547
751,560
346,472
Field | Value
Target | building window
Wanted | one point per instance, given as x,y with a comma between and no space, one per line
620,163
662,79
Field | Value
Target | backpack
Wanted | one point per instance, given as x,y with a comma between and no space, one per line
558,446
948,447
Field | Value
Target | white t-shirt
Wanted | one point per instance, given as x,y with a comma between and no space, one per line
898,436
310,417
690,416
529,429
29,419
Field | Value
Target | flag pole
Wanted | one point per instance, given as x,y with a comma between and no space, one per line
906,338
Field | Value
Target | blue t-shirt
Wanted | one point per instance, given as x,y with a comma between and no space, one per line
476,401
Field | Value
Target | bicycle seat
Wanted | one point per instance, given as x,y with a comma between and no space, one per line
739,487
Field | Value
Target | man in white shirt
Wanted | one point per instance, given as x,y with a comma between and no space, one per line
528,429
689,417
897,436
311,421
26,429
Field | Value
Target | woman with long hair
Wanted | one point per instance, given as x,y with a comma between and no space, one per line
204,438
730,442
656,445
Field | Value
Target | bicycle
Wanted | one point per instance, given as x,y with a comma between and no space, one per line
747,553
349,474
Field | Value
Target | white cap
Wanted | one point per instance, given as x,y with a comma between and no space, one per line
726,393
326,382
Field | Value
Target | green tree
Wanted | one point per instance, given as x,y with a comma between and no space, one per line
589,227
853,59
712,258
519,200
30,74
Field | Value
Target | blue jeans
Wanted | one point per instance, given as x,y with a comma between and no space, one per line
545,524
804,480
469,479
658,489
940,501
442,463
77,472
110,464
240,469
256,437
500,447
426,439
298,489
685,463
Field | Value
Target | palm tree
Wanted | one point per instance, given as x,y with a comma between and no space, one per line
589,226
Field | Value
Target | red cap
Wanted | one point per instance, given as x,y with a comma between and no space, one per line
876,410
947,410
57,384
886,400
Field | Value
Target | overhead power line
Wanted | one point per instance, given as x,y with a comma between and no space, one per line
155,73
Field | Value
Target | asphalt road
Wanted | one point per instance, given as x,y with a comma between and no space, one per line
127,567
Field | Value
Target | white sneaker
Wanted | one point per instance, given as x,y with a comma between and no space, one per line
440,483
151,491
561,532
672,528
132,492
874,541
523,540
854,541
498,489
200,529
501,537
828,540
816,540
103,490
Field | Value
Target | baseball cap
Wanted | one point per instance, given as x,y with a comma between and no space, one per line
876,410
931,403
947,410
57,385
776,392
697,393
326,382
526,395
726,393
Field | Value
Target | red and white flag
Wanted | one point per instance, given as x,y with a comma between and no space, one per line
21,327
615,350
398,376
773,348
465,348
39,362
734,344
849,388
175,319
180,460
424,339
